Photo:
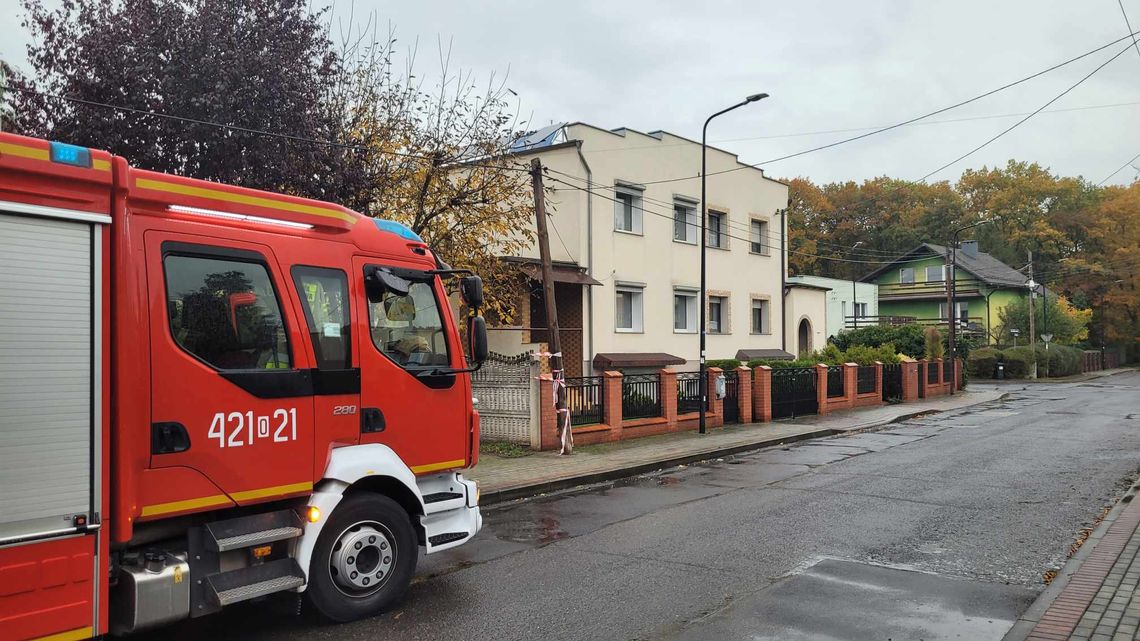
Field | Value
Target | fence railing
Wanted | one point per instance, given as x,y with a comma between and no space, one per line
892,383
931,372
794,392
584,399
688,392
640,396
866,379
835,381
948,370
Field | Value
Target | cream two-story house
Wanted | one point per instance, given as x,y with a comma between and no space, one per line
624,238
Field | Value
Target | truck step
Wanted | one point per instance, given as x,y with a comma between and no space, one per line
447,537
258,580
436,497
249,531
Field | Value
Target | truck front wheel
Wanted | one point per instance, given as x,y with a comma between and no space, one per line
364,558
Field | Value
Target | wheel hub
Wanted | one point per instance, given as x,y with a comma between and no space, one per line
362,559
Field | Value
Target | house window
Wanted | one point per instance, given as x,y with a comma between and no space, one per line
685,223
935,273
627,211
860,310
961,311
760,317
718,308
718,230
684,312
628,316
843,309
759,238
906,275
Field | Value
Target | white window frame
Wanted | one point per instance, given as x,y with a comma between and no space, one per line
692,225
637,311
765,307
959,307
941,273
722,233
902,276
636,207
692,300
763,240
722,301
860,309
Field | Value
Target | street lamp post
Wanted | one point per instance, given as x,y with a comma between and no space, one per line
951,285
703,382
854,295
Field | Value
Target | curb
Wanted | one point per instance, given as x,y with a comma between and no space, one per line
492,497
1024,624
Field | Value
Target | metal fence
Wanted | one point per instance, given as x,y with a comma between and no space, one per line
640,396
688,392
893,383
794,392
866,379
931,373
948,370
835,381
584,399
731,405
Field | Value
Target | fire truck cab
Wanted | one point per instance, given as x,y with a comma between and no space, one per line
210,394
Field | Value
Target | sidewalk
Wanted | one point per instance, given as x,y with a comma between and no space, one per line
1075,378
503,479
1095,597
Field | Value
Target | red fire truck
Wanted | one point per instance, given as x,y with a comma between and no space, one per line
209,394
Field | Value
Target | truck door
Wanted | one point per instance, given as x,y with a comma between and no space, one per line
409,336
231,389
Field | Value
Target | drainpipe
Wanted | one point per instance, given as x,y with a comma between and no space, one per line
783,282
990,320
589,252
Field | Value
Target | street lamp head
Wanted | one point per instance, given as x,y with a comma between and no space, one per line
756,96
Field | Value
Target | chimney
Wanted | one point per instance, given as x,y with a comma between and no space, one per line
970,248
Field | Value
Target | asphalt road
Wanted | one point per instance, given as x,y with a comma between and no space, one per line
937,528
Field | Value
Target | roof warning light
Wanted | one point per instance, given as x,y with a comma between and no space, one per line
73,155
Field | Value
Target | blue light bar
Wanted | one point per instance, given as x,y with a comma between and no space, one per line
73,155
393,227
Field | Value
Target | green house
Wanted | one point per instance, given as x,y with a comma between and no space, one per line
912,288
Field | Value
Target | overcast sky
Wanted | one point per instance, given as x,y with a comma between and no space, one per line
663,64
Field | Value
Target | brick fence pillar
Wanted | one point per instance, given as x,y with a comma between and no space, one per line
957,373
821,387
744,393
611,402
850,383
548,418
941,371
668,395
762,394
909,381
922,376
716,405
879,381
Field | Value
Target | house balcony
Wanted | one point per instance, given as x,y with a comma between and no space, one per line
925,291
967,326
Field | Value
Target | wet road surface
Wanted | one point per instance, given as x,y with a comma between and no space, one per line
940,527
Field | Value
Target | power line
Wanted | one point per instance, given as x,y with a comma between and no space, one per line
905,122
1128,24
1023,120
1118,170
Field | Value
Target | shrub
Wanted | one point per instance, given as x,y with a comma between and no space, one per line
1017,361
774,364
727,364
864,355
907,339
982,362
1064,360
933,347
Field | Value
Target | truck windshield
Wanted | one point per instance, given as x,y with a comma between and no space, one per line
409,329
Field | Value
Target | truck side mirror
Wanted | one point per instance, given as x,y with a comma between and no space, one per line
471,291
477,338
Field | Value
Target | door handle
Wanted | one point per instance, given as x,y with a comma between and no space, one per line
372,420
168,438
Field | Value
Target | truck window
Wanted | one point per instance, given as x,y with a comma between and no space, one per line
324,293
409,329
226,313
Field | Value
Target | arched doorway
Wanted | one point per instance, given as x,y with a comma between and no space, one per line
804,343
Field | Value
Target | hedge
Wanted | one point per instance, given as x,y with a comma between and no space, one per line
907,339
982,362
1064,360
1017,361
724,363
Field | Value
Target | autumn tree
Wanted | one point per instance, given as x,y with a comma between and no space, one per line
438,159
1052,315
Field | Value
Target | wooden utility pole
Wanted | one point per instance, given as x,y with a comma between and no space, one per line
1032,320
951,319
553,340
